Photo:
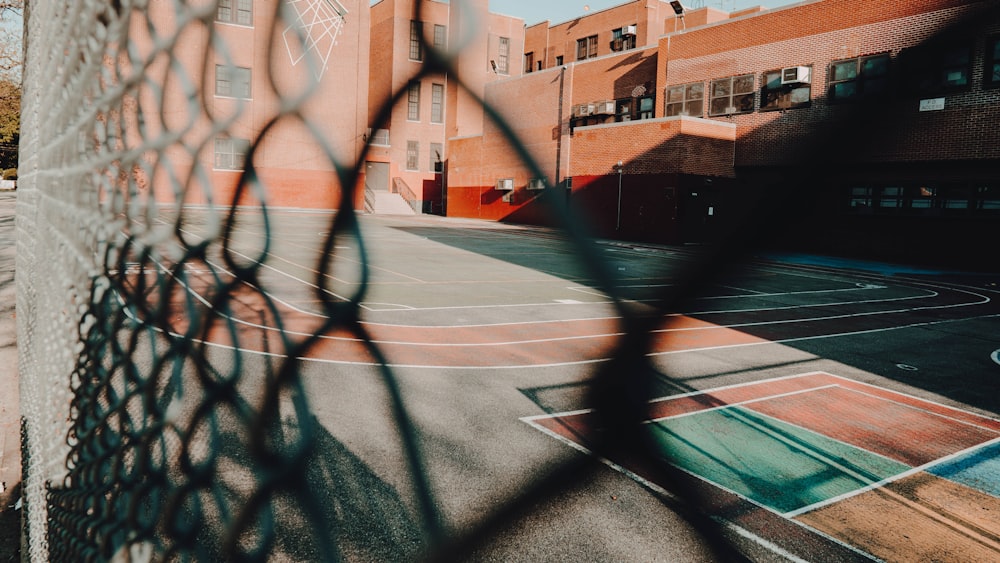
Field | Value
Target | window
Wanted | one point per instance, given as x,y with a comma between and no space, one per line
891,197
586,48
416,40
937,68
437,149
731,95
861,198
852,79
412,155
503,56
623,109
380,137
922,197
413,102
241,13
437,103
646,107
777,96
620,41
559,60
685,99
992,71
232,81
440,36
988,198
231,154
529,62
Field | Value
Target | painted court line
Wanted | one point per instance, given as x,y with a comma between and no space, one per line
901,476
751,395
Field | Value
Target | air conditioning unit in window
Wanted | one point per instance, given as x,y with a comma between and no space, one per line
536,184
604,107
628,30
795,75
505,184
583,110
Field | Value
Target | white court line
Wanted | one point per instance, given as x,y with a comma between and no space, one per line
767,544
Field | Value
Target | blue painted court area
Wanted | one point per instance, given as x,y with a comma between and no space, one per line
979,469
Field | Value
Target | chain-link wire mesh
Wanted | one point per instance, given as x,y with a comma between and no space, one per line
145,438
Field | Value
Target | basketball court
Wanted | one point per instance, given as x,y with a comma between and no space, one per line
818,410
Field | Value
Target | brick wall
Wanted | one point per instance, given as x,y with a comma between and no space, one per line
670,145
815,34
292,168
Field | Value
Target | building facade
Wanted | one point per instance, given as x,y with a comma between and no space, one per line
878,118
435,102
223,89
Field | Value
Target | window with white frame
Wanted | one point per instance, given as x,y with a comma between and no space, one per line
232,81
731,95
685,99
437,103
503,56
239,12
413,102
416,40
231,154
412,155
440,36
860,77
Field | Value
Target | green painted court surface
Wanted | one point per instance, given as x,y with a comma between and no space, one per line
768,461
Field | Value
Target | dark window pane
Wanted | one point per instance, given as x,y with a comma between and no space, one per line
719,106
875,66
743,102
843,90
846,70
743,84
722,88
956,77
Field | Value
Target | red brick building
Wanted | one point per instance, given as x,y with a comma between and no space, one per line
880,117
224,90
409,138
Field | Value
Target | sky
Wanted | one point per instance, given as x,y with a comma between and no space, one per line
557,11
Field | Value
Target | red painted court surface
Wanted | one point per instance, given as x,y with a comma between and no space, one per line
863,467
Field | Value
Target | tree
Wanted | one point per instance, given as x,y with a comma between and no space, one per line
10,80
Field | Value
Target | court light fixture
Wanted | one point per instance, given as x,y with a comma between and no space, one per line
678,7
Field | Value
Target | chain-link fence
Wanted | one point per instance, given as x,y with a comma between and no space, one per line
149,433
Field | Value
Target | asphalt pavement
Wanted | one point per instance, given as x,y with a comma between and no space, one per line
10,411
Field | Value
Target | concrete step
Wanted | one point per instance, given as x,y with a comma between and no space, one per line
387,203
